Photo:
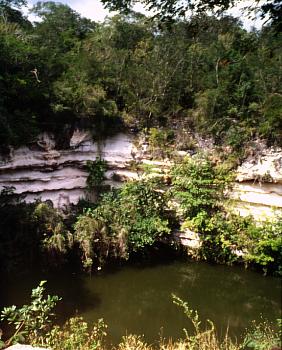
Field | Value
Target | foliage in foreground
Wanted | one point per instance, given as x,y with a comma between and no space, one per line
32,325
31,321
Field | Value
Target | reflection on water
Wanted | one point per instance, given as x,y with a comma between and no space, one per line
137,299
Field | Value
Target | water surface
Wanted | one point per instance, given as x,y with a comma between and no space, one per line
137,299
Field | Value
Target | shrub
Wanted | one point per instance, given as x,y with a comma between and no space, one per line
96,170
217,235
141,210
271,126
75,335
18,236
96,241
199,185
160,140
31,322
55,238
204,339
264,245
131,219
262,336
223,235
33,325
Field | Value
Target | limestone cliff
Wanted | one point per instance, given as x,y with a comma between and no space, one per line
258,189
41,171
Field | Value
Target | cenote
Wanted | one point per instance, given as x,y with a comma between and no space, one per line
137,298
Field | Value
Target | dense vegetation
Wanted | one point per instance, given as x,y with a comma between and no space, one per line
205,73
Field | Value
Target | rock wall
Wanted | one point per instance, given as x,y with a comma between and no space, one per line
41,171
24,347
258,189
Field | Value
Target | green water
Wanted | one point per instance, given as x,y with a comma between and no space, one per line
137,299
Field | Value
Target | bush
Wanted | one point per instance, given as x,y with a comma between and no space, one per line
125,220
96,170
31,322
199,185
141,210
160,140
217,235
33,325
201,188
19,240
227,238
75,335
271,126
262,336
96,241
263,244
56,240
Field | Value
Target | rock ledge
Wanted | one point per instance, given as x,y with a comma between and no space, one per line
24,347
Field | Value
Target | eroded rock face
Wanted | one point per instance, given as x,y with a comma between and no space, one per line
188,238
258,190
24,347
266,167
60,175
41,171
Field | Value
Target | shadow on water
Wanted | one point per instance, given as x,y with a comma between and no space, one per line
65,283
136,297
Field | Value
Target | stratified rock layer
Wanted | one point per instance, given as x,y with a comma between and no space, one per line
24,347
258,190
43,172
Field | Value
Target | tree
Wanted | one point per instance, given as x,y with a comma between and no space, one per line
19,91
61,27
168,9
10,12
12,3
